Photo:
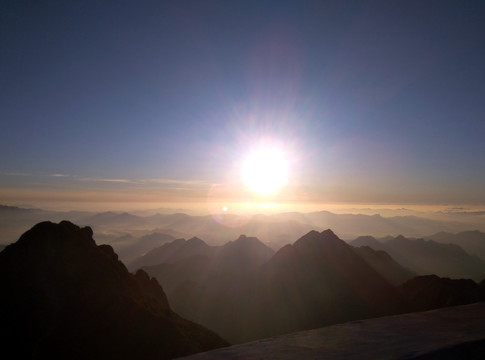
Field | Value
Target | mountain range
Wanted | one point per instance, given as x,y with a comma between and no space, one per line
318,280
426,257
275,230
244,248
385,265
472,241
62,296
60,291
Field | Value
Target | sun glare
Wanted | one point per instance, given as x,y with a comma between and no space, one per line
265,170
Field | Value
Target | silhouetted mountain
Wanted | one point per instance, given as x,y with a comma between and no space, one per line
352,225
385,265
429,257
173,233
172,252
114,219
243,254
432,292
64,297
119,244
471,241
15,220
202,286
319,280
274,230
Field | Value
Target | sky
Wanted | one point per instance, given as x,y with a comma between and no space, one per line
159,102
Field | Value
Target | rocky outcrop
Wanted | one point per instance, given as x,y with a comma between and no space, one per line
62,296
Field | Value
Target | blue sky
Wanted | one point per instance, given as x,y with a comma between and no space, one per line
374,102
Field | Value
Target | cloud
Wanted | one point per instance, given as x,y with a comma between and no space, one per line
149,181
173,181
34,175
15,174
112,180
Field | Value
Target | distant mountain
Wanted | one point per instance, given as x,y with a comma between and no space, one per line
14,221
426,257
274,230
471,241
385,265
242,255
432,292
64,297
217,229
114,219
368,241
172,252
319,280
352,225
137,247
202,286
173,233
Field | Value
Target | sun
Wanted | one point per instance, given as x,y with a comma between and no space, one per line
265,170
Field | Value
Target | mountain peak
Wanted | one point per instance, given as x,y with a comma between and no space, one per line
58,284
315,237
246,250
63,232
329,234
196,240
244,238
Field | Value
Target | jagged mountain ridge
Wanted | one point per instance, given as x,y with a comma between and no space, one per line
171,252
385,265
472,241
317,281
136,247
320,278
275,230
65,297
246,249
426,257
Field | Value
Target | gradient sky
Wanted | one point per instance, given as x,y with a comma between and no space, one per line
374,102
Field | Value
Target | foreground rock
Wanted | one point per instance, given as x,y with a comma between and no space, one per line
450,333
61,296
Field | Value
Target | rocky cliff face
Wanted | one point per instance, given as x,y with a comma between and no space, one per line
62,296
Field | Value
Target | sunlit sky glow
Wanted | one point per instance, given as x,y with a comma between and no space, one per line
109,104
265,169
